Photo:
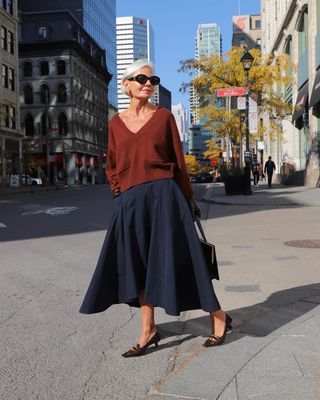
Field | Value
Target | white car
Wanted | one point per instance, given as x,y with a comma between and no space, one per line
31,180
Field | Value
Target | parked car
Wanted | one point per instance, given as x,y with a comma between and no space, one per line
31,180
201,177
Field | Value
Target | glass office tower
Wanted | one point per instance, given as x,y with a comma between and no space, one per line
98,17
135,40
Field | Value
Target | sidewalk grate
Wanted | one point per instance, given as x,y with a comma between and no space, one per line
305,244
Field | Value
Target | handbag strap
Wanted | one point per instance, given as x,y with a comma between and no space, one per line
197,221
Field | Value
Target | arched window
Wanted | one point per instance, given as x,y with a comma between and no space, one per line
44,94
44,68
29,125
303,33
62,93
61,67
27,69
44,123
28,94
63,124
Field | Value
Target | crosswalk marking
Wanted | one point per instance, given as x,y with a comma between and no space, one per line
2,225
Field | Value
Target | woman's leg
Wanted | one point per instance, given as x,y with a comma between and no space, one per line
148,328
218,322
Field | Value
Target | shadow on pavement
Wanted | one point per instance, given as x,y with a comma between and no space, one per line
261,319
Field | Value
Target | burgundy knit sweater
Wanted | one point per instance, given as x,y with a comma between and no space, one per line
153,153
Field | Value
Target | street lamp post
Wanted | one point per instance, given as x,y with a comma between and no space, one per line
247,61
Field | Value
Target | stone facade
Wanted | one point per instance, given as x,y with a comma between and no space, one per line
64,109
10,135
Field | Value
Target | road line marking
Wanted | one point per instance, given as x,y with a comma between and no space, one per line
2,225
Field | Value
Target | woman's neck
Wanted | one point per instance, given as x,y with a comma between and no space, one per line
138,107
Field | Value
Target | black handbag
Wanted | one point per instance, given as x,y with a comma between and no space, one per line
209,252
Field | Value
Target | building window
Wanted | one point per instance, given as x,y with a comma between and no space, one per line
4,38
11,79
258,24
62,93
10,42
43,33
6,116
44,94
10,6
44,68
63,124
5,77
303,33
12,111
318,15
44,123
28,94
27,69
61,67
29,125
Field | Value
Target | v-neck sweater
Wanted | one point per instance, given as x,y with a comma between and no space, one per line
153,152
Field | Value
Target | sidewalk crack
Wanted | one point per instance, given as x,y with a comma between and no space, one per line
298,364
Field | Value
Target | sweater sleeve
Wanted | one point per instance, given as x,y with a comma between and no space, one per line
181,175
111,161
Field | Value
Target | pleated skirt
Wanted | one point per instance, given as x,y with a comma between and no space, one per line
152,246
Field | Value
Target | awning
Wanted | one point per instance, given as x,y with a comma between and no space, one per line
302,102
315,95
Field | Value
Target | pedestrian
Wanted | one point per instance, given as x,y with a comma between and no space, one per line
269,167
151,256
255,170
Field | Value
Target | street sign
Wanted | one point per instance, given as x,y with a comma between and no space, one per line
247,156
231,92
241,103
253,122
253,105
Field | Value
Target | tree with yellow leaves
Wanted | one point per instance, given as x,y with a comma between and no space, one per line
193,167
267,79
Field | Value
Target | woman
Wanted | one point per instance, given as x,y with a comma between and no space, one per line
151,255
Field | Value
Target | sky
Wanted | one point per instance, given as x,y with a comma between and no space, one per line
175,23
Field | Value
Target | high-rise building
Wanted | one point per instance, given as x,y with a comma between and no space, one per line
246,31
181,116
10,135
98,17
134,41
208,42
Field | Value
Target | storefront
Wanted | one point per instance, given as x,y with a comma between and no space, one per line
9,159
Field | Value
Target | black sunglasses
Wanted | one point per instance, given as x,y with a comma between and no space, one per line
142,79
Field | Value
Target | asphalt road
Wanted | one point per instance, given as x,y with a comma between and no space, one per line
49,244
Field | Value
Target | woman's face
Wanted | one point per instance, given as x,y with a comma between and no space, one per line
138,90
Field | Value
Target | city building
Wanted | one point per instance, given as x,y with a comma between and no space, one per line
64,109
208,42
161,97
247,31
181,116
292,27
98,17
134,41
10,135
197,137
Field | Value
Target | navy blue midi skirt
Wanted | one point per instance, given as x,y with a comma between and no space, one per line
151,246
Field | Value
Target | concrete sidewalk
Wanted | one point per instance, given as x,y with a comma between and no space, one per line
272,293
277,195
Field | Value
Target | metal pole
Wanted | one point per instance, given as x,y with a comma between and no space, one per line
47,136
247,188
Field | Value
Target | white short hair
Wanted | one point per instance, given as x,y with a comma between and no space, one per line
130,71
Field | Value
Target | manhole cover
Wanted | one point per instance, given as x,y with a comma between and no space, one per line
306,244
